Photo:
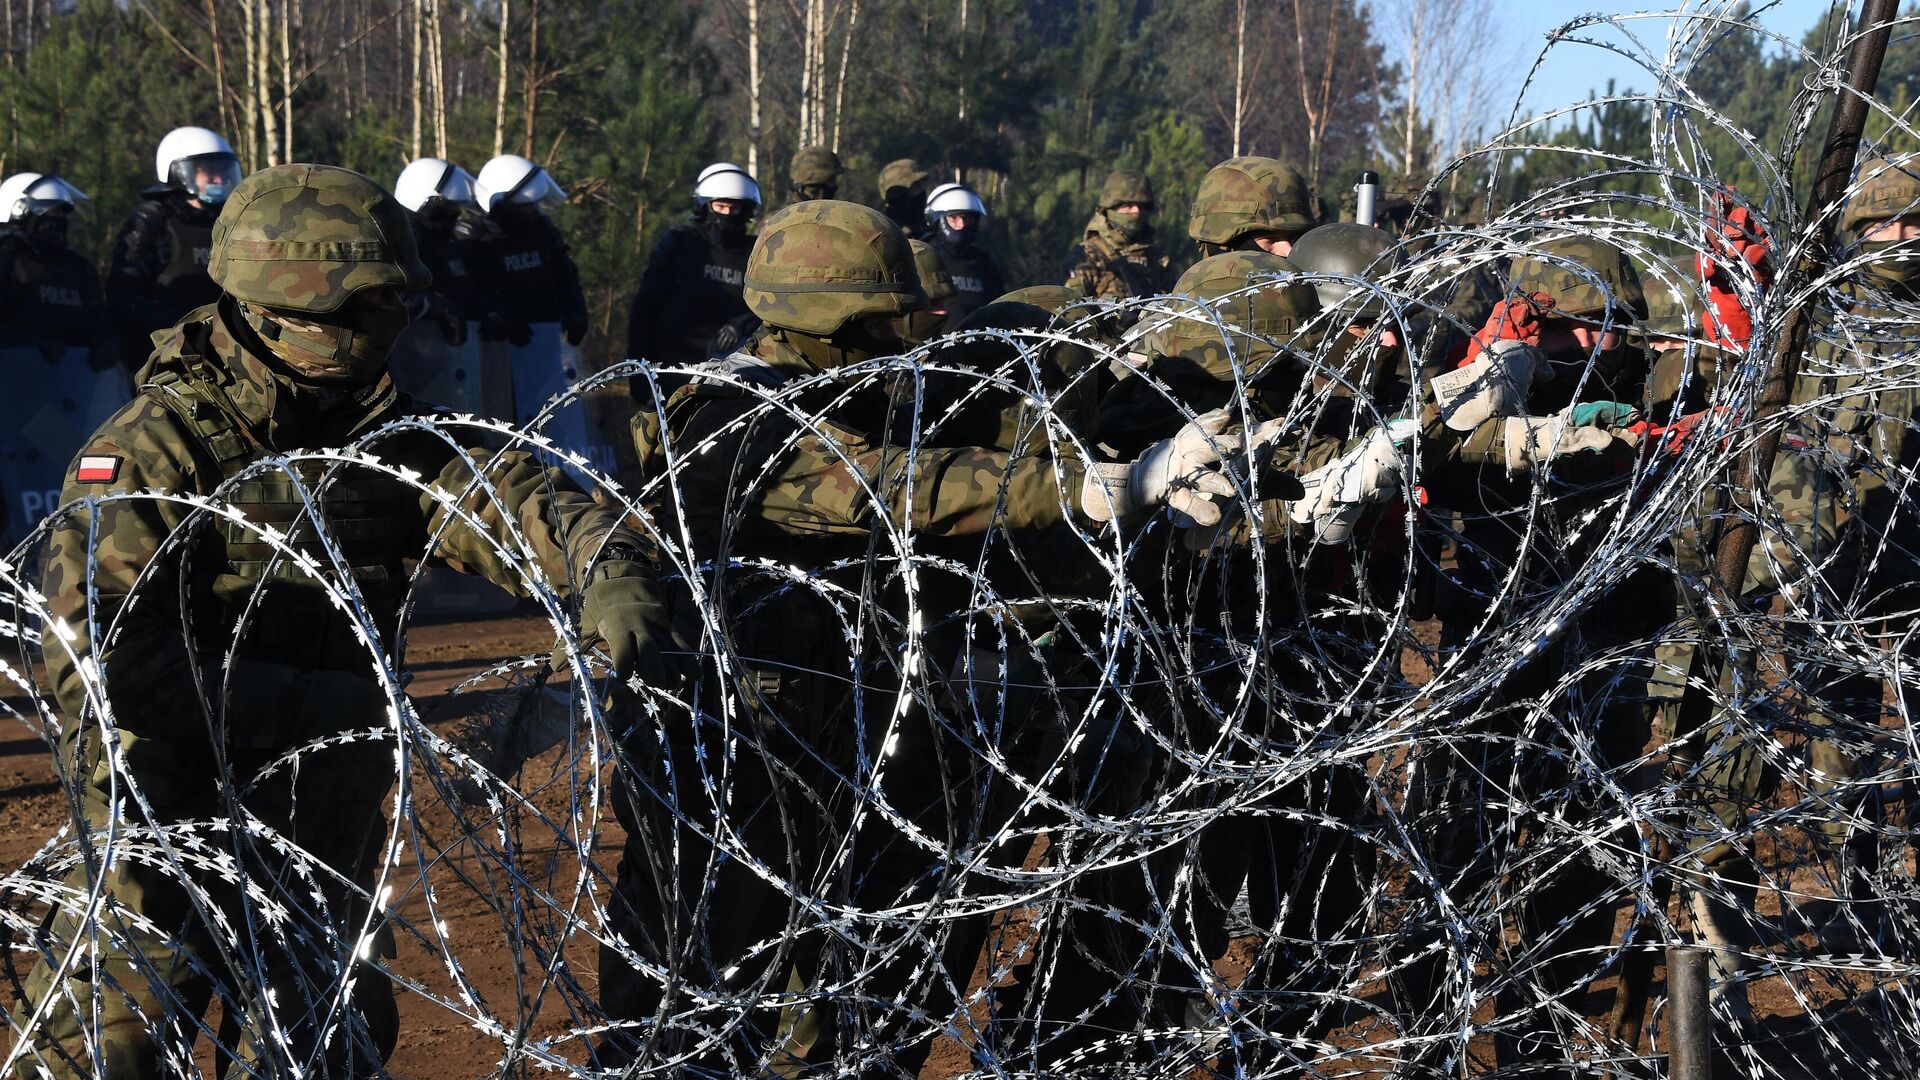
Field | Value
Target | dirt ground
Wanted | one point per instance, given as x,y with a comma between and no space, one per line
509,973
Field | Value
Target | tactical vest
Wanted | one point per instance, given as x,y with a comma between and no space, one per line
370,518
57,301
183,283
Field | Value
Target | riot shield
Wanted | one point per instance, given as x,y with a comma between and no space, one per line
56,402
467,378
542,370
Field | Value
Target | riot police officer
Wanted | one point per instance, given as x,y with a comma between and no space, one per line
690,290
159,270
955,215
523,269
49,293
438,197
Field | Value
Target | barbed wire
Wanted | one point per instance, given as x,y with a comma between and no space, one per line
1071,800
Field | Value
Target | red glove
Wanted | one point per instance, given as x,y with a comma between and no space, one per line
1671,438
1733,237
1517,318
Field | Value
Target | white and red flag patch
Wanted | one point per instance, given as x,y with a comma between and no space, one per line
97,469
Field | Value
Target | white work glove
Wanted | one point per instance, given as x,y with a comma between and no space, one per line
1341,490
1496,384
1536,440
1181,473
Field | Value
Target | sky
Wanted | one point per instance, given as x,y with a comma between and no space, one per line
1573,71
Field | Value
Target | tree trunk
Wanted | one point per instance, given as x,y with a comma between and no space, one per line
1239,71
286,81
414,86
840,79
500,97
436,55
753,87
248,43
223,96
530,86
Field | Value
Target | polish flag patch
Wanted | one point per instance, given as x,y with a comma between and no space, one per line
97,469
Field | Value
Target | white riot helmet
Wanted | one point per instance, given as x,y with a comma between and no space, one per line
431,178
24,195
198,162
955,199
725,180
511,178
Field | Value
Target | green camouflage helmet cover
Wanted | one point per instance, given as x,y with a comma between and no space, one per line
935,280
1250,194
1268,310
1555,266
1049,297
814,165
1125,186
1673,303
1353,250
903,173
310,237
1886,188
818,265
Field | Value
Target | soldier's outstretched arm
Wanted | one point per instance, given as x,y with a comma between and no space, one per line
564,527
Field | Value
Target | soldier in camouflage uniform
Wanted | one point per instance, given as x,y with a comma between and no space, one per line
1832,504
814,173
1117,257
823,482
220,650
1246,203
903,196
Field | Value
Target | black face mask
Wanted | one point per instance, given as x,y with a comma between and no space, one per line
809,192
48,232
724,227
906,207
474,226
439,214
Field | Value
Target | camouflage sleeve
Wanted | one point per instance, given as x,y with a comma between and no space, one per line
950,491
100,552
563,526
838,483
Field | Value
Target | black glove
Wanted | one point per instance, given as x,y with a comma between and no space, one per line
575,332
453,328
624,607
53,353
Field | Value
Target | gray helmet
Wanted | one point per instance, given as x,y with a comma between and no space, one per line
1352,250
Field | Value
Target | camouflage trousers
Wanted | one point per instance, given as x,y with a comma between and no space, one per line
698,921
1763,680
230,914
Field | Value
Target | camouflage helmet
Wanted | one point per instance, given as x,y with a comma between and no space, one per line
814,165
1887,188
1351,250
1565,268
1673,303
935,280
1270,310
818,265
904,173
1049,297
1250,194
1125,186
310,237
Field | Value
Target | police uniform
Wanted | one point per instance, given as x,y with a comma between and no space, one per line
159,270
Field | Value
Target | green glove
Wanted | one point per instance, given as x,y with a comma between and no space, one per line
1603,414
623,606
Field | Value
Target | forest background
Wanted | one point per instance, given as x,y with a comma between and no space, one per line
1031,102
